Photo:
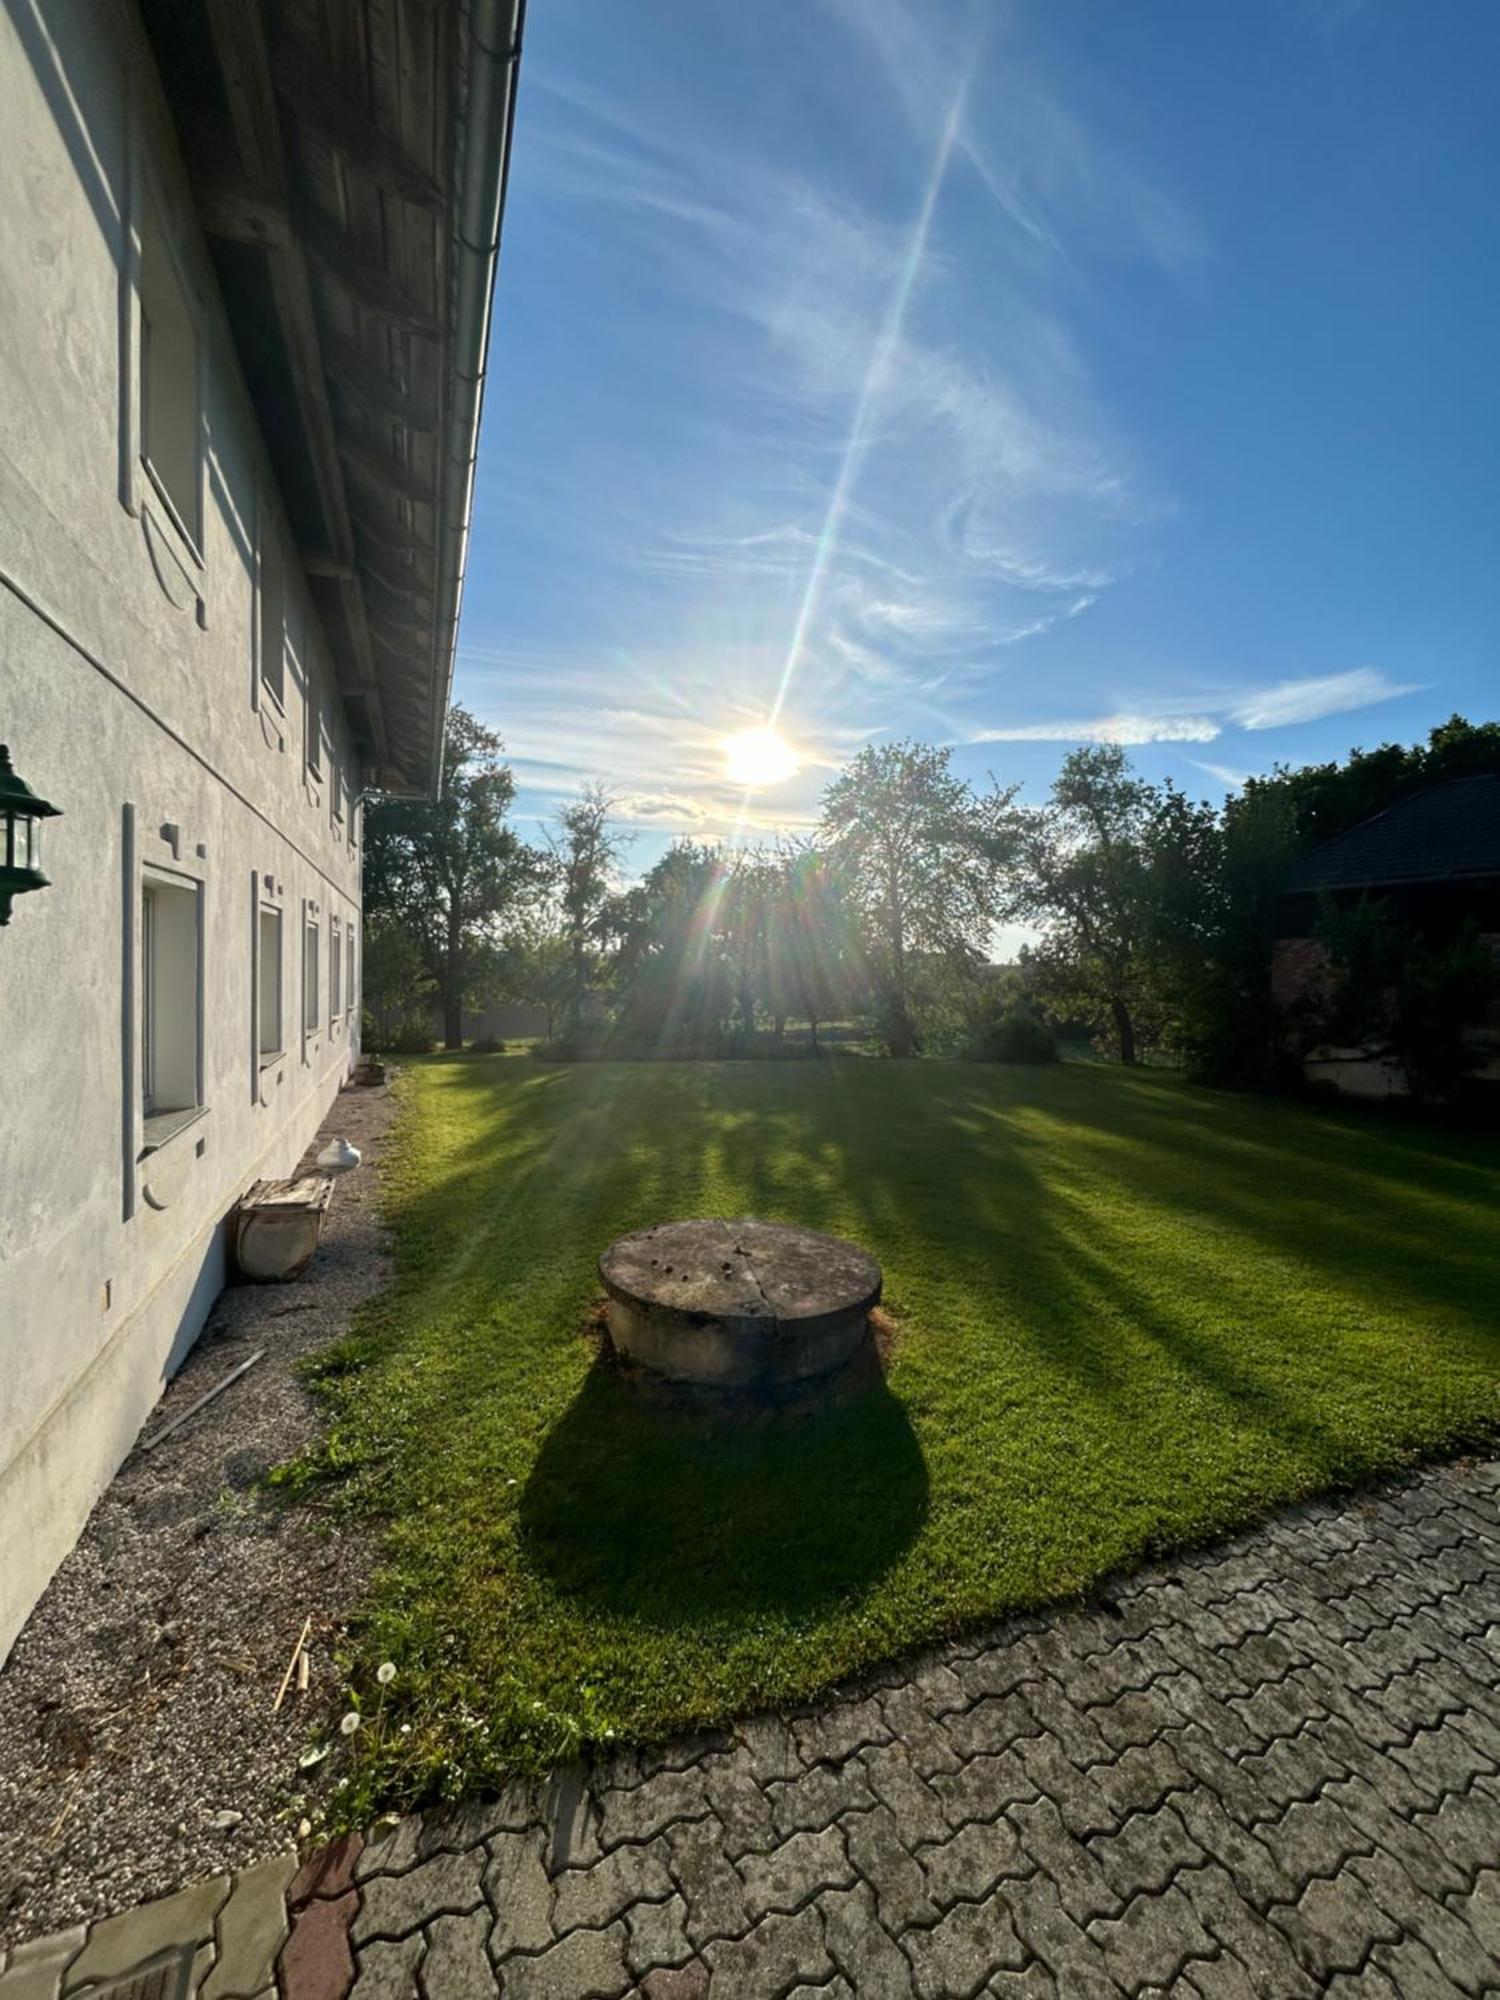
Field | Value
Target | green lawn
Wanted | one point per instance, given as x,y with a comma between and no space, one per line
1130,1314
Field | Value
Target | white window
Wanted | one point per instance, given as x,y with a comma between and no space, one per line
349,967
312,1017
169,1010
170,424
272,633
268,984
335,975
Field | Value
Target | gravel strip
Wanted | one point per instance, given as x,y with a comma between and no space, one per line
138,1750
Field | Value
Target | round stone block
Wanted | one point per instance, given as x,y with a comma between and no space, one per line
738,1305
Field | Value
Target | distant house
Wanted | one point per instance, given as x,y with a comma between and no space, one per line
246,253
1434,861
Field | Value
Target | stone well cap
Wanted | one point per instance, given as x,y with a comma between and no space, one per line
763,1275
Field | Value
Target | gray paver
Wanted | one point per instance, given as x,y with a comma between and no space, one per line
456,1966
1268,1769
961,1952
875,1967
1152,1939
880,1850
252,1927
658,1936
591,1898
586,1965
516,1886
387,1969
711,1886
35,1971
393,1906
792,1873
968,1865
779,1951
120,1943
897,1783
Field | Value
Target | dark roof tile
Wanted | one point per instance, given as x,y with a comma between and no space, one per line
1449,830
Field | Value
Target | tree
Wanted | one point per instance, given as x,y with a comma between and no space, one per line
397,991
449,870
586,852
672,975
1324,800
1113,868
815,955
541,960
747,920
922,853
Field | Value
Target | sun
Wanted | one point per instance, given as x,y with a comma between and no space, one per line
755,758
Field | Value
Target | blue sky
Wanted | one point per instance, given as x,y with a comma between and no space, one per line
1003,375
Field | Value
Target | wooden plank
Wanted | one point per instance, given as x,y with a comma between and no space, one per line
331,111
150,1443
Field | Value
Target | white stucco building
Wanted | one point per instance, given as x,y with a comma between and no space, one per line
246,256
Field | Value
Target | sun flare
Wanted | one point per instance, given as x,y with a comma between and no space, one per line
755,758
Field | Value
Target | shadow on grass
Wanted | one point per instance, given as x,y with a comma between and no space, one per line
643,1506
1134,1312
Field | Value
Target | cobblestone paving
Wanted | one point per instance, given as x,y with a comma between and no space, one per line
1270,1769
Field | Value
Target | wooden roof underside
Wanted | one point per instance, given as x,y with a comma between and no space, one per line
320,136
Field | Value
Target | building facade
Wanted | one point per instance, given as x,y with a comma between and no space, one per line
242,339
1432,864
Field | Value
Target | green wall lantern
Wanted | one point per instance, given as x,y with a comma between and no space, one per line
21,816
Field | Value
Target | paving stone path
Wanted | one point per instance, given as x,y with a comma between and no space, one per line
1270,1769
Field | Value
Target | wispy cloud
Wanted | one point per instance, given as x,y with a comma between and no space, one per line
1310,700
879,467
1124,729
1226,774
1284,704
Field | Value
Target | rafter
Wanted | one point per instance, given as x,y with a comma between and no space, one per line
327,109
238,30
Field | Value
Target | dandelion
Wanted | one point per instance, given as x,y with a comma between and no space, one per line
350,1723
385,1673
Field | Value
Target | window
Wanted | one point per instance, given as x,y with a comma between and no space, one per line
314,728
335,976
169,1010
311,1011
268,984
169,379
349,967
272,617
336,793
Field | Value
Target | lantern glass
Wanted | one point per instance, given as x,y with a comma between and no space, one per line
21,816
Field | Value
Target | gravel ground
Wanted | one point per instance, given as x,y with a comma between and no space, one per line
138,1750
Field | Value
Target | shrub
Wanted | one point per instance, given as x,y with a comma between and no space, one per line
488,1045
412,1038
1013,1034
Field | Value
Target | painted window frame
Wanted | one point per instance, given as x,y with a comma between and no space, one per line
270,607
312,990
335,975
150,209
161,1121
267,1056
